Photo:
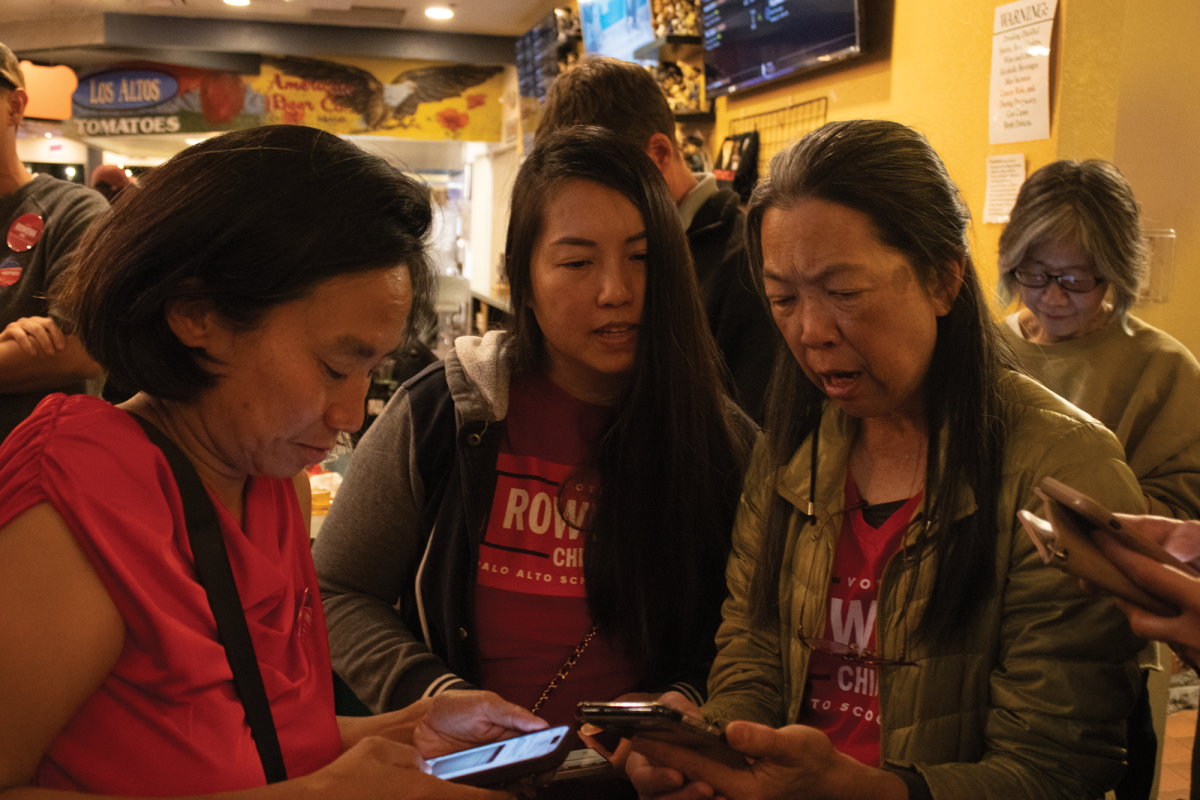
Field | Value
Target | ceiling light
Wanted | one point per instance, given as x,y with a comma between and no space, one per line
436,12
237,2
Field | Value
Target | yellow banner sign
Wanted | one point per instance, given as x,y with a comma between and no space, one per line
404,98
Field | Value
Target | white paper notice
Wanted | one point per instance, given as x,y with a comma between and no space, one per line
1005,174
1019,106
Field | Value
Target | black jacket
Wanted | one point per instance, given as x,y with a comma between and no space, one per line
737,315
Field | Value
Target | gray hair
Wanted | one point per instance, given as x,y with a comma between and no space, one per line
1090,204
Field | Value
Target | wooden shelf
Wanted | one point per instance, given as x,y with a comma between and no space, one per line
500,303
671,48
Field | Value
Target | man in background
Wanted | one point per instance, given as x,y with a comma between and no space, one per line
110,180
626,99
41,220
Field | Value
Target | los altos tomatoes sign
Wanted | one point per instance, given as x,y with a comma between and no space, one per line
401,98
147,98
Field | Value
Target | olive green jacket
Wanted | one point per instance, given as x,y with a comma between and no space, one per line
1031,701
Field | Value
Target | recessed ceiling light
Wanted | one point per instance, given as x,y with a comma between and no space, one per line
237,2
438,12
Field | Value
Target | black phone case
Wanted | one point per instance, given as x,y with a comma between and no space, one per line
663,723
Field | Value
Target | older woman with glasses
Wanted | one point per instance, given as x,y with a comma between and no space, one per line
890,630
1073,253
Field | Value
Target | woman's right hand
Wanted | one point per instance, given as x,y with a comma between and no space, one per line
1181,539
376,767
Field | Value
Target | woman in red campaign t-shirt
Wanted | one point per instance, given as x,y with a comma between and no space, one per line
565,486
230,292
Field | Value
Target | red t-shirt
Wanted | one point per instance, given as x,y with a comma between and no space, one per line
530,601
167,720
841,697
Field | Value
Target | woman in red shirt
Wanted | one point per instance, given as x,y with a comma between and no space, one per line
546,513
247,289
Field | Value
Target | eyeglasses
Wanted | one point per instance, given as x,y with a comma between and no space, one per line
850,652
1068,283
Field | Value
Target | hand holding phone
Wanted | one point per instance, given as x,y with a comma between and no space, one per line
1106,521
500,762
661,722
1065,539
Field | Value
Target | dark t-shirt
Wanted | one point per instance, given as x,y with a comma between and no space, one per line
28,272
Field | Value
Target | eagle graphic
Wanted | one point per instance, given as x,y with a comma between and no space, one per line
380,106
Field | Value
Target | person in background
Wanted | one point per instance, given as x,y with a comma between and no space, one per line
546,512
41,221
110,180
890,630
246,291
1073,254
626,99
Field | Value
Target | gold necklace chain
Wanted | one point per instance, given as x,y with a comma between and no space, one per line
564,669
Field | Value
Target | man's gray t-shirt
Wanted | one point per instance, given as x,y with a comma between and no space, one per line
26,275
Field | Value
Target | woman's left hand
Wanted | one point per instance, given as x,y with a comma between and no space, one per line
456,720
791,762
36,336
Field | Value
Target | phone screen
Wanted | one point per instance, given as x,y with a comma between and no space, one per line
498,754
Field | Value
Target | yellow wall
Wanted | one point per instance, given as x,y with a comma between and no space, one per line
937,80
1158,144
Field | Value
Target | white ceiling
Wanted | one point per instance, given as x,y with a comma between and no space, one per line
495,17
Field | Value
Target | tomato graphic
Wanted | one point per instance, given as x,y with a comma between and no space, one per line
221,95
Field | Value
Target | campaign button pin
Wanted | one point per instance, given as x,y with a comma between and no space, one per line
9,274
24,233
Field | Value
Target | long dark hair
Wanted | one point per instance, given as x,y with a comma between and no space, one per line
670,465
891,174
245,221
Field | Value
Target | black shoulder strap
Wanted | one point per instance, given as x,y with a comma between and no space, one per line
216,576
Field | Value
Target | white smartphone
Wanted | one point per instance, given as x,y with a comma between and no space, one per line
499,762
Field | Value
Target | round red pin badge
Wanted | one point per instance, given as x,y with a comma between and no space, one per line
24,233
10,272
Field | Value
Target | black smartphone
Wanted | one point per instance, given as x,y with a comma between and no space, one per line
657,721
500,762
